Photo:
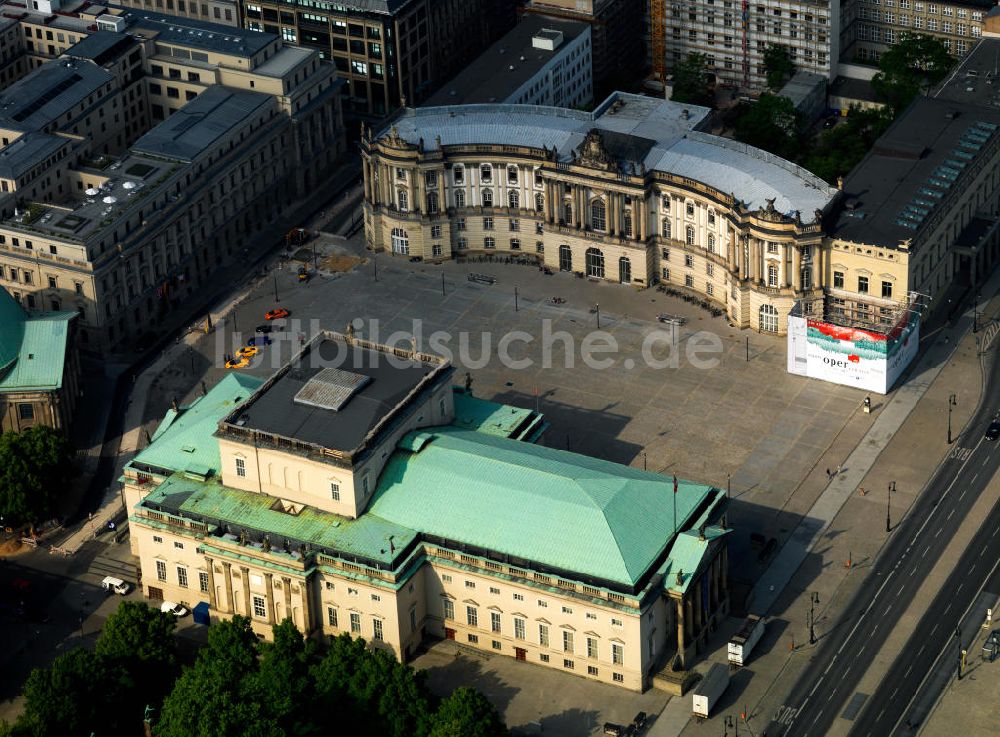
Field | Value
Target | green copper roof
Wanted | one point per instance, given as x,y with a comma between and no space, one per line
502,420
184,440
686,555
367,537
567,511
32,347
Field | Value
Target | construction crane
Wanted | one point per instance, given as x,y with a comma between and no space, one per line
658,38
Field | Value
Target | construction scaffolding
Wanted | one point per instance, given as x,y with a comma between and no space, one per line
658,38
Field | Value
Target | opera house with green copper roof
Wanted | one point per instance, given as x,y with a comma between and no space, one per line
357,490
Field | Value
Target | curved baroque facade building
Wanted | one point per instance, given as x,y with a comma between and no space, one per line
634,192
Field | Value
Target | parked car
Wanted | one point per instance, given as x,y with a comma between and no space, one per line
237,362
247,351
276,314
110,583
993,431
169,607
263,329
260,340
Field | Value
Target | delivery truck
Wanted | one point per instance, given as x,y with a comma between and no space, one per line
706,694
745,640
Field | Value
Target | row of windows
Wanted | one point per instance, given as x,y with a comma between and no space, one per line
863,284
520,632
354,619
182,576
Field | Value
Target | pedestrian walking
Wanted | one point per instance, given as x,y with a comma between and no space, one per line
828,474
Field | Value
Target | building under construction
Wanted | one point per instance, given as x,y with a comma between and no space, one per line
733,35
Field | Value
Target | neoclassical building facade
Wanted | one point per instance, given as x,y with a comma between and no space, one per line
634,193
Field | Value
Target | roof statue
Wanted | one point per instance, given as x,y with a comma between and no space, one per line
593,153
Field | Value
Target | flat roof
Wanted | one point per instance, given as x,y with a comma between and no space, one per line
853,89
45,94
26,152
383,390
506,65
34,347
664,138
976,79
101,46
187,133
286,59
172,29
912,168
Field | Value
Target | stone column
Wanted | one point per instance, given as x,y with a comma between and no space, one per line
681,626
227,572
306,608
614,221
211,584
269,594
246,590
796,269
286,582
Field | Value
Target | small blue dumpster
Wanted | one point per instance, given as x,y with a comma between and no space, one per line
200,613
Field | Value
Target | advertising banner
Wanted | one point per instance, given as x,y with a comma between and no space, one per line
852,356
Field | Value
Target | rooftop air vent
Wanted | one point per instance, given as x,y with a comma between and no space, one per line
331,389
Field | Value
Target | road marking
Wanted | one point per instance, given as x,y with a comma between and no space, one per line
974,477
912,572
982,552
893,694
887,609
938,533
959,587
951,513
907,674
903,586
862,648
923,554
879,717
934,629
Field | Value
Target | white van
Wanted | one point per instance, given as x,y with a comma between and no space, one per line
110,583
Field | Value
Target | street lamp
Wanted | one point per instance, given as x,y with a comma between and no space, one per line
888,501
276,298
952,401
813,601
597,309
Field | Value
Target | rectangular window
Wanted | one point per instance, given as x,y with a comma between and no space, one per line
518,597
615,622
617,653
567,663
182,576
513,225
496,645
157,539
435,231
494,621
259,610
161,571
543,635
474,639
887,290
518,628
355,623
494,590
241,467
591,670
446,577
376,597
472,616
179,545
487,223
203,580
567,641
449,608
470,584
618,678
331,616
592,647
567,610
862,285
838,279
376,628
335,491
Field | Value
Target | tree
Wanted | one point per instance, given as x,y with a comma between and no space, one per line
778,65
140,640
283,675
913,64
219,695
79,694
771,124
841,148
692,81
35,466
467,713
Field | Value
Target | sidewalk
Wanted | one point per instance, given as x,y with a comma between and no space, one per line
851,475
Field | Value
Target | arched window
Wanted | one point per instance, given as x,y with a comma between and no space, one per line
711,243
565,258
512,175
539,202
568,213
487,198
400,241
459,198
432,203
402,200
458,175
624,270
513,199
772,275
768,319
485,173
627,223
595,263
689,235
598,215
666,228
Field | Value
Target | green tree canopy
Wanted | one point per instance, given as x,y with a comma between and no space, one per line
692,81
778,65
140,640
467,713
772,124
35,466
78,695
840,149
911,65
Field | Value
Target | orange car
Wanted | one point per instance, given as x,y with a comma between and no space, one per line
276,314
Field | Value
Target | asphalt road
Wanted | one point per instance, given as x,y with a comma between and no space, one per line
917,541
